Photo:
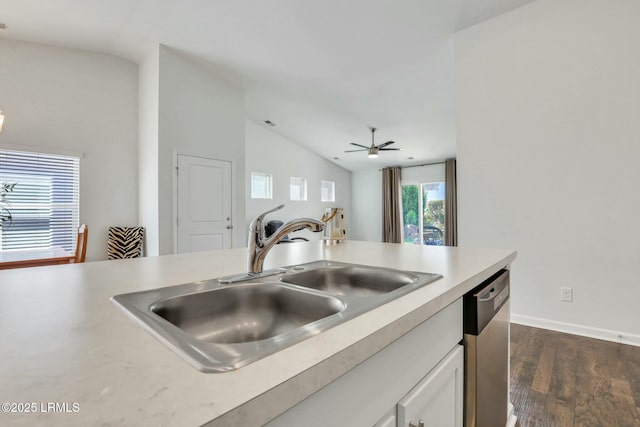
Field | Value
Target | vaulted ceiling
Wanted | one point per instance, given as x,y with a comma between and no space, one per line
322,71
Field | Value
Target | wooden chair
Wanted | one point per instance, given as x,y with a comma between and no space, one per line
81,243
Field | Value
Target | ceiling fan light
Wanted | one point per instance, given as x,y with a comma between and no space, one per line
373,156
373,153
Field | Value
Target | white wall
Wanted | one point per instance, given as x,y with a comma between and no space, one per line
548,106
199,115
268,152
67,100
423,174
367,205
148,110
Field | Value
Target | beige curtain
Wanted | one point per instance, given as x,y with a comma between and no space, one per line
451,203
391,205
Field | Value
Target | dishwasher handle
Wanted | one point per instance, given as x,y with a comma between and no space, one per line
484,301
493,293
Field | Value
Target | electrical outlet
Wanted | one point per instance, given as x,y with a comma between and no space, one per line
566,294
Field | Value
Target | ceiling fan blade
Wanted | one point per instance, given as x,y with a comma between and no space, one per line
358,145
353,151
390,149
385,144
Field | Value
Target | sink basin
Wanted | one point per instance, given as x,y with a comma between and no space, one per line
340,279
220,327
245,313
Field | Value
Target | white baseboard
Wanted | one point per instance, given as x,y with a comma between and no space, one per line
511,416
571,328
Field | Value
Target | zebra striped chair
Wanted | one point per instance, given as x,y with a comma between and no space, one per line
125,242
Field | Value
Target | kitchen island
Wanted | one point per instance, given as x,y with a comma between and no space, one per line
64,342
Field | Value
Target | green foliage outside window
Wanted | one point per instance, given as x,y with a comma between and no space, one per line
411,217
410,204
434,213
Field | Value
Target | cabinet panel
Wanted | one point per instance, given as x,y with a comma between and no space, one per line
437,400
389,420
362,396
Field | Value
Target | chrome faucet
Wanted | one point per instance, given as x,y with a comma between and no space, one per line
260,244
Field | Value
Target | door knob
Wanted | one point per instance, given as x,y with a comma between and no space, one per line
229,227
420,423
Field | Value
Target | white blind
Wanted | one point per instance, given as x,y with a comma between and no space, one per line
44,202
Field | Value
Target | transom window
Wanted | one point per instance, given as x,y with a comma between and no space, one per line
327,191
261,185
298,188
45,201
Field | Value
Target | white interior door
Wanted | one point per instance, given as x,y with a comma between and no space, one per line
204,204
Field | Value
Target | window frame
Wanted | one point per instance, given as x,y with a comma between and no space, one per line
269,186
304,188
422,205
332,198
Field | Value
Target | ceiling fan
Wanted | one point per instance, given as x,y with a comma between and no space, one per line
374,149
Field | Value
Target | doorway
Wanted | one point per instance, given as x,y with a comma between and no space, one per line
423,213
204,217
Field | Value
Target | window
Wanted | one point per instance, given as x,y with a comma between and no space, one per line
327,191
298,188
261,186
423,213
44,202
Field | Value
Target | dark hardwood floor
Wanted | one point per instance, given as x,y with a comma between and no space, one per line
566,380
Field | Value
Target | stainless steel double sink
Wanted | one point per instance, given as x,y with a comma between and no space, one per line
221,327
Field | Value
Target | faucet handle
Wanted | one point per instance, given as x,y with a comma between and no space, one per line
262,215
258,220
256,229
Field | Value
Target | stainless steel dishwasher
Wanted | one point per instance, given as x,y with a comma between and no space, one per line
486,341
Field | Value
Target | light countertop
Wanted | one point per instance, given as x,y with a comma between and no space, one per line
63,341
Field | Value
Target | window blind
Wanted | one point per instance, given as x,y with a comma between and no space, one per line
44,203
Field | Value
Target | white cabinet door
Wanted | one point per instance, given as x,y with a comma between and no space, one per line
389,420
437,400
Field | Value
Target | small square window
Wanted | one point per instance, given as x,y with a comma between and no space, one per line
298,188
261,186
327,191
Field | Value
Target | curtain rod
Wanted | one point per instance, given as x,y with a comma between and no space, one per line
417,166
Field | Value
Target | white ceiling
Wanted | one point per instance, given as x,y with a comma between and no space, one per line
322,71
